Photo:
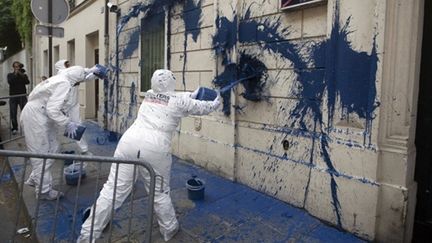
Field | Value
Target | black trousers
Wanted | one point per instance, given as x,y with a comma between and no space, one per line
13,105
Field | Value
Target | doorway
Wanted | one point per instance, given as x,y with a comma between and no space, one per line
96,83
92,87
423,140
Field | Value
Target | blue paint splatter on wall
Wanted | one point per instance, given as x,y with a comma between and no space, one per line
339,73
132,43
150,8
353,75
249,70
225,38
191,15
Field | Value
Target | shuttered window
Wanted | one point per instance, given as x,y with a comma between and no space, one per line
152,47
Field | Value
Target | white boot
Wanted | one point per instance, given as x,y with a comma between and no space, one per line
168,235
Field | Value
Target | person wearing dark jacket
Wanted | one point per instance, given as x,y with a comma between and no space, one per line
17,81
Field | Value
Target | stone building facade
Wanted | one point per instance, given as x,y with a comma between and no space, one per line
320,103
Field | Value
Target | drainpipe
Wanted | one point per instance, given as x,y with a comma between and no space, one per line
106,62
236,95
117,69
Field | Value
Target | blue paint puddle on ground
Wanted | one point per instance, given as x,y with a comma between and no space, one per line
228,211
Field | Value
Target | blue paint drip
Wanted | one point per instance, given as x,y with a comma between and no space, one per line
332,171
133,101
335,202
191,15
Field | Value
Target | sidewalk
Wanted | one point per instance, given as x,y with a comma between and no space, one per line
230,212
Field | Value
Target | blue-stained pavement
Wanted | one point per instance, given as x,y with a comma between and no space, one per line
230,212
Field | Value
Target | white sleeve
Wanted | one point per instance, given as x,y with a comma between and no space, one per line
189,106
74,114
90,77
55,103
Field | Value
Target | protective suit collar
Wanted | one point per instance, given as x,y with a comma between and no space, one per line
163,81
60,65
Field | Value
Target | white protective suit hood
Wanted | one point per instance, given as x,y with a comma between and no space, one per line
163,81
74,74
60,65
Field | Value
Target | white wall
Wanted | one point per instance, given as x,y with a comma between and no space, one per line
86,19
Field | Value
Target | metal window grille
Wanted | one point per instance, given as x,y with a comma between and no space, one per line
152,47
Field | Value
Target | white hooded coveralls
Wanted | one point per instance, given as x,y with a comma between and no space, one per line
74,112
150,136
41,117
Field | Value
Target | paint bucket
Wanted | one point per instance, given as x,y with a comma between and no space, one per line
195,188
101,140
101,72
112,137
206,94
72,174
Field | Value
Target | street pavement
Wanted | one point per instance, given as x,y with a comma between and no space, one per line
229,212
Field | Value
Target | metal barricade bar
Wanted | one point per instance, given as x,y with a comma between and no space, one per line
89,159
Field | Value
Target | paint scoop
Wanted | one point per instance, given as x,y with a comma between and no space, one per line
102,71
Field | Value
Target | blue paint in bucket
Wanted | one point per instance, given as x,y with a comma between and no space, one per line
206,94
195,188
72,174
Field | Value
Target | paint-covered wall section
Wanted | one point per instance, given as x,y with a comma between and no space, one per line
311,140
301,97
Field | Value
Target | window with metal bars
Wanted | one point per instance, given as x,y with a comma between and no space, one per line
152,47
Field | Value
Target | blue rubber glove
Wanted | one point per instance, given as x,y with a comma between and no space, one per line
194,94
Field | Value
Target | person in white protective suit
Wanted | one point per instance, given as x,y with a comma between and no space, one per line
41,117
149,137
74,112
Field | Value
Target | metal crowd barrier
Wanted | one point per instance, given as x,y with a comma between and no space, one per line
5,102
31,230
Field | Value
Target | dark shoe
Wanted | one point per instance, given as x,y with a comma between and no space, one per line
51,195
